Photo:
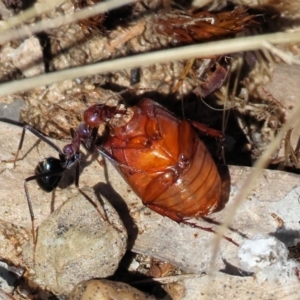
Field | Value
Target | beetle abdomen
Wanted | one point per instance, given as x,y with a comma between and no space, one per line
196,192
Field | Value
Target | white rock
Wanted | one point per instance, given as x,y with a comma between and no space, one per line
267,257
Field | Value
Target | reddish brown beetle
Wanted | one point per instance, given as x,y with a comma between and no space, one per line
160,156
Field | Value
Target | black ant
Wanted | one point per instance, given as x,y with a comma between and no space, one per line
48,172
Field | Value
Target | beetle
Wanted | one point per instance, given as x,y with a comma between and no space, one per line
160,156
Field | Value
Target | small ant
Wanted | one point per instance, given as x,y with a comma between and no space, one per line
48,172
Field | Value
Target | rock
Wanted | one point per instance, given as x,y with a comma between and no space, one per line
76,243
268,259
224,286
28,57
275,198
106,290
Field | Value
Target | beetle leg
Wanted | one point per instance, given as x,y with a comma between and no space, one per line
159,185
137,142
165,213
175,217
207,130
213,133
208,229
152,127
187,137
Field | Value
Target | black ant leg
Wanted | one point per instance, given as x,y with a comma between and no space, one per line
37,134
36,177
48,172
104,217
77,171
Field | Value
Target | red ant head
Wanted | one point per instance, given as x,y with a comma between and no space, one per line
94,115
98,114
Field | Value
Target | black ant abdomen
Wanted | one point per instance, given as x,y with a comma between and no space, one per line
50,182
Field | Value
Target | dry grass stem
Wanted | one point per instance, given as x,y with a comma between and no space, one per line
63,20
28,14
255,174
146,59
